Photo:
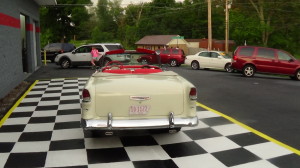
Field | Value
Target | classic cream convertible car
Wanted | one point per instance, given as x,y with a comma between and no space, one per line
128,97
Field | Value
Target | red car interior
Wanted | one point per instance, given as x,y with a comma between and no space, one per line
132,69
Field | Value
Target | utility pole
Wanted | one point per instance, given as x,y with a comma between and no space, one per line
227,7
209,25
226,26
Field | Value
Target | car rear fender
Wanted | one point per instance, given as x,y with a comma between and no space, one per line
226,64
255,68
297,69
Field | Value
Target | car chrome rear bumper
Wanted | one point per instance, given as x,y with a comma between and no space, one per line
110,124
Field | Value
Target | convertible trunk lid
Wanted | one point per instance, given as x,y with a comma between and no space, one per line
150,95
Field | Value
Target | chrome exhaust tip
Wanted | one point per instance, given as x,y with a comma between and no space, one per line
172,131
109,133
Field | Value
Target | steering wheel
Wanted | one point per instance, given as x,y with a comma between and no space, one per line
149,67
116,64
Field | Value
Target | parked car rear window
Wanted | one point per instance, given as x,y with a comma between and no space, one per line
266,53
283,56
53,46
99,48
85,49
113,47
68,47
246,51
204,54
157,51
165,52
214,55
176,51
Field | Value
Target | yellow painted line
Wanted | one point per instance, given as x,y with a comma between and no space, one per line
16,104
296,151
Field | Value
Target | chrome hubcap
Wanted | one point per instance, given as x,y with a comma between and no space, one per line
248,71
228,68
65,64
173,63
194,65
144,62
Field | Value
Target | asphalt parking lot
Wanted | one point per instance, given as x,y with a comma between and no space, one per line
43,131
53,71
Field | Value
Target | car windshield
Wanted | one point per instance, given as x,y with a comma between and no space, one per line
224,55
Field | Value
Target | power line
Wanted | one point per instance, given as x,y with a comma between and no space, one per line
68,5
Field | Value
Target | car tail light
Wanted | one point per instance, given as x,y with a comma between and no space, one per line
234,57
61,51
86,95
193,94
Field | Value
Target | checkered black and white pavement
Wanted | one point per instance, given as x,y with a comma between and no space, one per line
44,131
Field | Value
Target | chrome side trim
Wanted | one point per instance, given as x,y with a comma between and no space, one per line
171,120
109,121
140,98
139,123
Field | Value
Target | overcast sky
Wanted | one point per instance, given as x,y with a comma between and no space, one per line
127,2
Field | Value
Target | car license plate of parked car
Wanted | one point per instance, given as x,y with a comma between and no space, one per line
139,109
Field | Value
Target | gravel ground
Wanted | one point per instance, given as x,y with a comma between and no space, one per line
9,100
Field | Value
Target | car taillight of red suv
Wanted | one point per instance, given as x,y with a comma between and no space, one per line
234,58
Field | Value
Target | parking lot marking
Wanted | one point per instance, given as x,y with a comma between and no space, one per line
296,151
16,104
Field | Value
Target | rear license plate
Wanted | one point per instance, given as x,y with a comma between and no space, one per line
139,109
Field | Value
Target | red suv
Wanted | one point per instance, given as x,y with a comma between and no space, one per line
171,56
251,59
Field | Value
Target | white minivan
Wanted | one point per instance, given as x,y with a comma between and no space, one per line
81,56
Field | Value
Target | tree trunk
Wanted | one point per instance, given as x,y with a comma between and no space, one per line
265,24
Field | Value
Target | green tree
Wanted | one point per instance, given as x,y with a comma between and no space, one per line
193,17
128,31
286,35
106,29
265,11
243,28
62,22
258,22
275,21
